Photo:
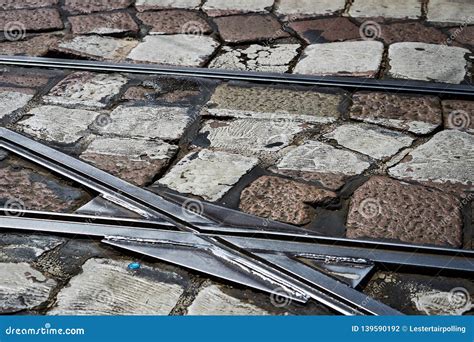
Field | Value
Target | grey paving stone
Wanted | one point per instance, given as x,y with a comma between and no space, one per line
275,58
147,122
400,9
427,62
361,58
107,287
292,9
86,89
145,5
11,101
276,104
209,174
22,287
448,157
224,7
26,247
376,142
446,12
177,49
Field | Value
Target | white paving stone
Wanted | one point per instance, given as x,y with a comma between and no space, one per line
98,46
158,4
58,124
86,89
209,174
177,49
148,122
315,156
22,287
373,141
409,9
249,135
213,301
448,12
106,287
427,62
219,7
307,8
447,157
11,101
257,58
361,58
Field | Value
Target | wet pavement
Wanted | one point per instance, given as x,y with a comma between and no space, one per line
358,164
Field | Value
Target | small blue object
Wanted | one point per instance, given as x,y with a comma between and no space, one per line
134,266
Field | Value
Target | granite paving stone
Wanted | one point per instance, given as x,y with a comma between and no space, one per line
23,78
39,19
23,287
209,174
413,113
383,208
147,122
11,100
107,287
14,4
411,32
224,7
292,9
58,124
36,46
257,27
446,12
376,142
275,58
92,90
283,200
462,34
146,5
103,23
90,6
400,9
134,160
178,49
448,157
276,104
360,59
427,62
175,21
458,115
326,30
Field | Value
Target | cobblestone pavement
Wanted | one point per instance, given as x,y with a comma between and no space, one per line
362,165
430,40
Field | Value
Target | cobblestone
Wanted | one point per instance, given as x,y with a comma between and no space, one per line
10,101
458,115
103,23
427,62
283,200
445,12
383,208
36,46
360,59
308,8
14,4
208,174
30,20
145,5
326,30
90,6
224,7
401,9
175,21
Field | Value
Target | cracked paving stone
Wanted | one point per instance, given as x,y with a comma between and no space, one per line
97,47
360,58
257,27
292,9
209,174
275,58
103,23
25,186
326,30
416,114
146,5
400,9
15,4
147,122
22,287
175,21
87,89
136,161
376,142
283,200
212,300
26,247
248,136
316,161
107,287
38,19
11,100
411,31
458,115
225,7
36,46
427,62
448,157
90,6
448,12
58,124
177,49
384,208
274,104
